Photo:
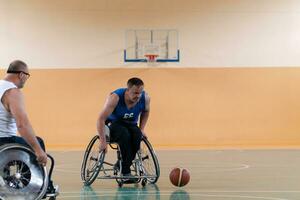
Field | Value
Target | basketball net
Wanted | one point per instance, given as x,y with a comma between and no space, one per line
151,52
151,57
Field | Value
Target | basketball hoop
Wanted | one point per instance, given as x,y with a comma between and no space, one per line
151,57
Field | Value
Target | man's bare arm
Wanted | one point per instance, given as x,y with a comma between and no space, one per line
109,106
145,114
14,102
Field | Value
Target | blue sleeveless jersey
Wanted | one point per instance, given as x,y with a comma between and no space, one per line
122,113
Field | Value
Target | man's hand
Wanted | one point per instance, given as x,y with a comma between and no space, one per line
103,146
41,157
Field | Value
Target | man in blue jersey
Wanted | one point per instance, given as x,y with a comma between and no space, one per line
127,111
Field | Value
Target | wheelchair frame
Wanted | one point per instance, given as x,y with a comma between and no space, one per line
141,174
22,174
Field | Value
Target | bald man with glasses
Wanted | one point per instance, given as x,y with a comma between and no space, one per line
13,116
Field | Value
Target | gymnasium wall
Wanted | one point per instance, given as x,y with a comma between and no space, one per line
236,86
212,33
190,108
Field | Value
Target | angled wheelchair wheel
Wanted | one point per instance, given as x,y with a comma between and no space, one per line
22,176
150,165
92,161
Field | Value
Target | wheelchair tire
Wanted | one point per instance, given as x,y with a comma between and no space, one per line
92,162
24,178
148,154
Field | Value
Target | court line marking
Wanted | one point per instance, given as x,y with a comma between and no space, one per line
241,167
200,195
188,191
67,171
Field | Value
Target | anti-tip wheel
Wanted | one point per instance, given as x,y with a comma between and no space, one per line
144,182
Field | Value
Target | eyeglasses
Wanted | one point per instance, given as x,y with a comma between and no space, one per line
18,72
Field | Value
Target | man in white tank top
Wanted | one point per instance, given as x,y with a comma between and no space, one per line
13,116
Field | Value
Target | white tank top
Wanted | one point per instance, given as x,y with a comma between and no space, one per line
8,125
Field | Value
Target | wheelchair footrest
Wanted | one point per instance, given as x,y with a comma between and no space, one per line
53,192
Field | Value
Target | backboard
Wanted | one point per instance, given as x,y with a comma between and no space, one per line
162,44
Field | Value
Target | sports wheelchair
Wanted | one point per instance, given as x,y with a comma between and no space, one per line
100,165
21,176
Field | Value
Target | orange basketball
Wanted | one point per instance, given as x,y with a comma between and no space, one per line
179,177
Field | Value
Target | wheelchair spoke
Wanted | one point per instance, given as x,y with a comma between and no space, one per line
94,159
26,172
26,179
21,167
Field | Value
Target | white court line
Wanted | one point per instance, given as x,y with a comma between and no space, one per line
206,164
240,167
64,165
67,171
199,165
199,195
108,191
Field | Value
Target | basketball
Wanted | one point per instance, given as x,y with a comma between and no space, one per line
179,177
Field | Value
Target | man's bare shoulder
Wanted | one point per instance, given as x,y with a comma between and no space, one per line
11,97
112,99
147,97
113,96
13,93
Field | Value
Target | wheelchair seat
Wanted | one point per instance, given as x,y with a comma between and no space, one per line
21,175
107,133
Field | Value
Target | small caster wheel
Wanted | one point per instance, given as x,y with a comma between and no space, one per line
120,184
144,182
52,198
